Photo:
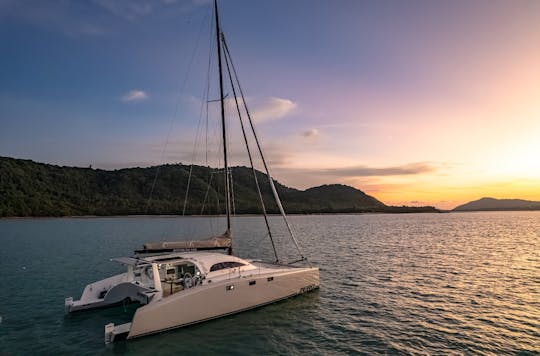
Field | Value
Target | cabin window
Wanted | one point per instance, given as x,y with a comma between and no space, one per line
252,282
224,265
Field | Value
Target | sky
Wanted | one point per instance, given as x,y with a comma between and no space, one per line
414,102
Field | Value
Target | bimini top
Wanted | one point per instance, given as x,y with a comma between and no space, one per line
206,261
213,243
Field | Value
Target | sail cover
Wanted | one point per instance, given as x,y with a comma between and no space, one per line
215,242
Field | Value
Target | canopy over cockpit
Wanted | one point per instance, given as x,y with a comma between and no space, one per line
213,243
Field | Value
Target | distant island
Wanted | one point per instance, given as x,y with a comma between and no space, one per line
28,188
492,204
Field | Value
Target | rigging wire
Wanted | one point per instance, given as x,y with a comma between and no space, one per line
203,124
206,193
232,191
227,60
227,172
204,101
173,118
271,181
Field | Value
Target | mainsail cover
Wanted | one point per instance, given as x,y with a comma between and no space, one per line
215,242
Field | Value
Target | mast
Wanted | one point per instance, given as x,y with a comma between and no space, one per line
223,127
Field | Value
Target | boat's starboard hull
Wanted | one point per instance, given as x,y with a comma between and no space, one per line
220,299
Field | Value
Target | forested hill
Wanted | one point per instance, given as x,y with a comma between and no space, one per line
487,204
28,188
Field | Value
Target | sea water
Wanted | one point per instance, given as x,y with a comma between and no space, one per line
457,283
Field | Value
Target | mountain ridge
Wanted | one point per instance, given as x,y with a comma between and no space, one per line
493,204
29,188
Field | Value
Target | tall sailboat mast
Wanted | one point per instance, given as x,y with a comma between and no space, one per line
223,127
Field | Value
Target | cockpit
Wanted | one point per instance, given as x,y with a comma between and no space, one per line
178,275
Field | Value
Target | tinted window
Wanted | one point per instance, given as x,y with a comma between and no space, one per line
224,265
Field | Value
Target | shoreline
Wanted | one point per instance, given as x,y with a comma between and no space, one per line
134,216
168,216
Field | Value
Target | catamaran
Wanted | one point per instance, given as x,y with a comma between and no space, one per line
181,283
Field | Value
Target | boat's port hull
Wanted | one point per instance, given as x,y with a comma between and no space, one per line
109,292
214,300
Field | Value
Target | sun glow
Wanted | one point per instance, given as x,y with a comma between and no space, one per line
519,158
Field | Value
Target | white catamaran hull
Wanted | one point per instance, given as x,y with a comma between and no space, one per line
108,292
214,300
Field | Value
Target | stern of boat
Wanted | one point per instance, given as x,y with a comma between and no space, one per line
114,333
108,292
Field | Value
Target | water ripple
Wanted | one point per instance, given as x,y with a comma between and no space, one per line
427,284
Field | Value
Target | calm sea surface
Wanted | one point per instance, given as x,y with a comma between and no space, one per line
399,284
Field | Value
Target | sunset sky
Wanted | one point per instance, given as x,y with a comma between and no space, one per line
414,102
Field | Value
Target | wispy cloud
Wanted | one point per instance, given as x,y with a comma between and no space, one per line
262,109
311,133
366,171
274,109
134,95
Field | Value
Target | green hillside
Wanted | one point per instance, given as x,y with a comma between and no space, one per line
28,188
